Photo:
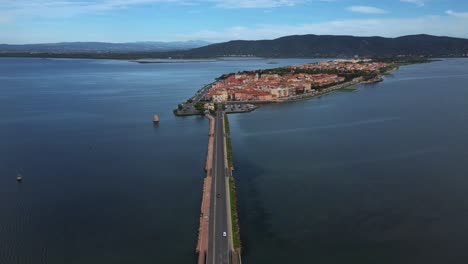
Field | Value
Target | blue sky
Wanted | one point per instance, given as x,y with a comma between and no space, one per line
40,21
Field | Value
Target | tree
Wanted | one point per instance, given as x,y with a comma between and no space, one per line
200,107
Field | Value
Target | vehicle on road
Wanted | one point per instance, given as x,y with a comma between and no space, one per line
224,234
218,195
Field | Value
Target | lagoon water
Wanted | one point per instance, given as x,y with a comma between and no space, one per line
101,183
375,176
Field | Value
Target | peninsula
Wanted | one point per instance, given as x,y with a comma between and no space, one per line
243,91
218,235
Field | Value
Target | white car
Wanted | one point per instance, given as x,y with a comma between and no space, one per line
224,234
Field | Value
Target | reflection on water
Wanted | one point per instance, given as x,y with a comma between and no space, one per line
331,126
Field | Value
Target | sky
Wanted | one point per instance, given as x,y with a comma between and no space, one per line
46,21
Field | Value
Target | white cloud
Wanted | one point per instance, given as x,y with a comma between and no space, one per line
81,6
452,24
366,10
255,4
389,27
457,14
416,2
70,8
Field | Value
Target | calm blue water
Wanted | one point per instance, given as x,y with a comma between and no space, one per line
101,183
375,176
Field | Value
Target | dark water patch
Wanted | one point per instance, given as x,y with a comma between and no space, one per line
258,219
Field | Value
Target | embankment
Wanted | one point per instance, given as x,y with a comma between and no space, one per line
203,230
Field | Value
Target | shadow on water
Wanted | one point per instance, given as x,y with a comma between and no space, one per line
253,217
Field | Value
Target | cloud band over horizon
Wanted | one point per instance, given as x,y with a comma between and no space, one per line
36,21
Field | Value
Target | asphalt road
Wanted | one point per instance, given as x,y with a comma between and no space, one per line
218,245
201,94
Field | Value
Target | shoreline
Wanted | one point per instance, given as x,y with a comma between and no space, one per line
296,98
345,74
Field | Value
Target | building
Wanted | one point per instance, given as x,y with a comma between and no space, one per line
220,96
209,106
280,92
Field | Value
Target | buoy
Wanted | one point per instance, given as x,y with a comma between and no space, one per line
156,119
19,178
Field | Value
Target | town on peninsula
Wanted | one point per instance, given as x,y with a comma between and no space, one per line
244,91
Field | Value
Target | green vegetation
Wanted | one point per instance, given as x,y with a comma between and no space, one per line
232,188
279,71
349,75
347,89
228,141
234,218
304,46
390,67
313,46
396,61
180,107
226,125
321,87
200,107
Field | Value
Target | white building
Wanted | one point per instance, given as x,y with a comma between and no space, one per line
220,97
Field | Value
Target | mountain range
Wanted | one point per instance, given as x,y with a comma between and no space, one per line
102,47
297,46
335,46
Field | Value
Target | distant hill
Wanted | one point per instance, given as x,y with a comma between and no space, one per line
335,46
101,47
299,46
